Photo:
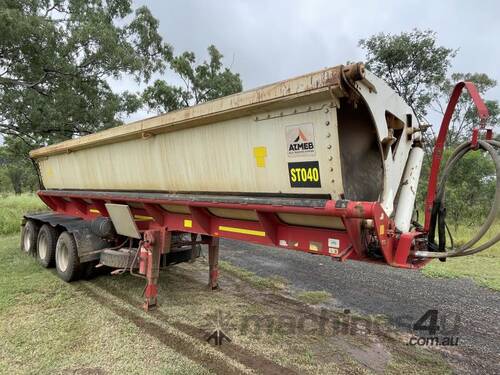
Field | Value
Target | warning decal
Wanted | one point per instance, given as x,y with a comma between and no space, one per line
304,174
300,140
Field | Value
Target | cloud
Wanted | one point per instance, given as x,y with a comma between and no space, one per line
266,41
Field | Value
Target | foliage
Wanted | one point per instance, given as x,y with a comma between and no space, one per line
48,326
465,117
482,267
203,82
416,68
469,189
56,56
12,209
16,171
411,63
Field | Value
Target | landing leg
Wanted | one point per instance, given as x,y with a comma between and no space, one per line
152,251
213,263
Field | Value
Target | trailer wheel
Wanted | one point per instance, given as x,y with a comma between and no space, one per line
46,245
29,235
67,260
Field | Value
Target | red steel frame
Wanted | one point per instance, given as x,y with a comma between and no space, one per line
268,230
156,223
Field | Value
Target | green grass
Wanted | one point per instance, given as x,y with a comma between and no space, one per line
483,268
313,297
48,326
12,208
274,282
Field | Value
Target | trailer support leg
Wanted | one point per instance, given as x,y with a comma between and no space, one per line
213,263
153,247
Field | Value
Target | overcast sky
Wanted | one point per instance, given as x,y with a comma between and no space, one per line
266,41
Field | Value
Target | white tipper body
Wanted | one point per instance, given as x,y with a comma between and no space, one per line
286,144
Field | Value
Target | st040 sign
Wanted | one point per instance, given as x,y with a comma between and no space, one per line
304,174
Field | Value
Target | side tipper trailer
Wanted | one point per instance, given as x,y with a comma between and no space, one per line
326,163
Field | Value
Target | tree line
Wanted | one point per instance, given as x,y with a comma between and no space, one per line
418,69
58,56
56,60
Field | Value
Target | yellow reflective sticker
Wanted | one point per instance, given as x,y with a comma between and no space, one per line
381,229
142,218
188,223
242,231
315,246
260,154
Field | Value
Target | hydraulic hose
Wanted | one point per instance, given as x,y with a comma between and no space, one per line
439,209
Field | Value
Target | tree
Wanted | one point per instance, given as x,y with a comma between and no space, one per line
470,189
465,117
203,82
411,63
17,172
56,57
416,68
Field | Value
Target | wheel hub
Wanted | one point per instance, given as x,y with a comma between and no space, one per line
42,247
62,257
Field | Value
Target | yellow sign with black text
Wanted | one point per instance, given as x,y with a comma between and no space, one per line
304,174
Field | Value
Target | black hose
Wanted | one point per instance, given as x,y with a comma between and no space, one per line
438,212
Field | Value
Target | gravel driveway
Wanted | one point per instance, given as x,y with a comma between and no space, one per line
403,296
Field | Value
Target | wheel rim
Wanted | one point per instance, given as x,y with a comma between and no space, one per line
42,247
27,240
62,257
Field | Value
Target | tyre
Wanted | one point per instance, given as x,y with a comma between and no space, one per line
88,270
67,260
118,258
29,235
46,246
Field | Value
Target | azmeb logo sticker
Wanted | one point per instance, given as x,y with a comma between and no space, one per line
300,140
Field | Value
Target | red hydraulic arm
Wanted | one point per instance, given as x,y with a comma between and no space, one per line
437,154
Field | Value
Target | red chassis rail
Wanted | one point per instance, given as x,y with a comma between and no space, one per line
157,225
268,230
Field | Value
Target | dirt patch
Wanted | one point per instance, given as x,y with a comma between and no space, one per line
374,356
165,337
232,350
271,332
